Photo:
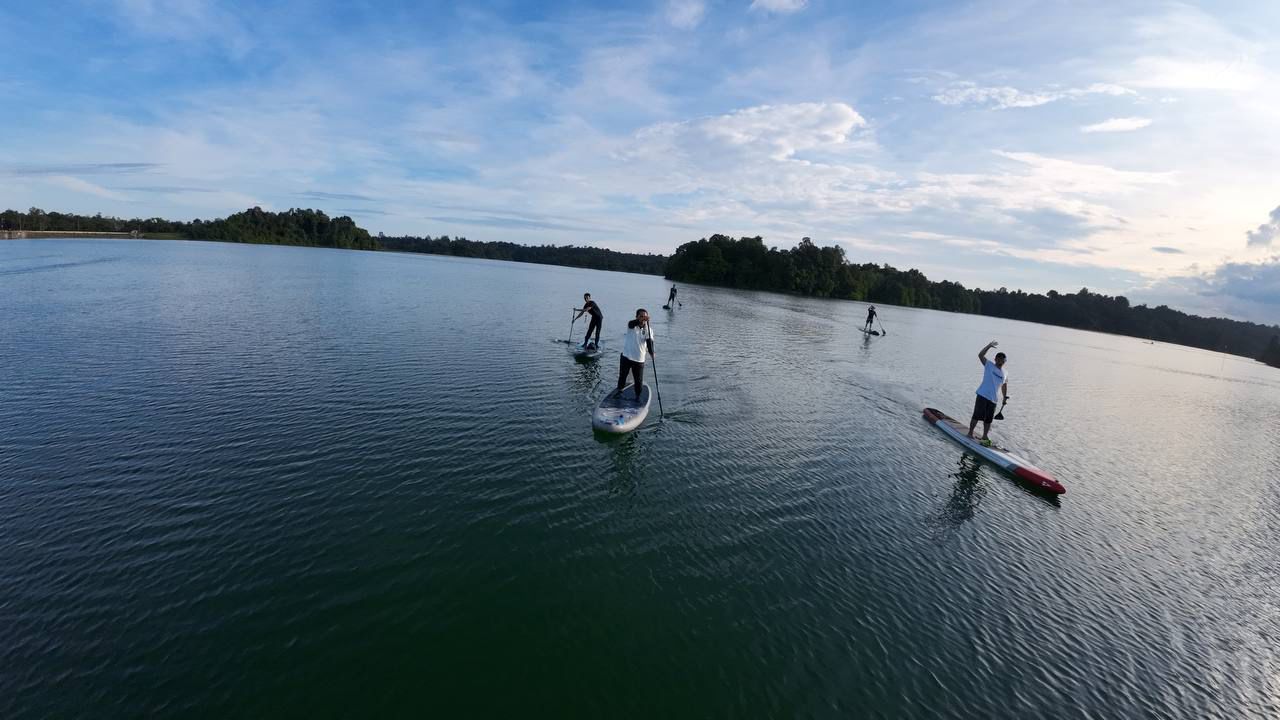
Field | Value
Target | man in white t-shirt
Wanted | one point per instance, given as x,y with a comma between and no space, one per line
994,381
637,346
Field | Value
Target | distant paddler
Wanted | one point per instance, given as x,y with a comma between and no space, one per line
637,346
871,318
994,381
597,320
671,298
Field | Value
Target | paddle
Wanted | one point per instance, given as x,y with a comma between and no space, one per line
656,386
573,319
1000,413
882,330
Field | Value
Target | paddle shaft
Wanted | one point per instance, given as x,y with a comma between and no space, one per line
573,318
882,330
656,385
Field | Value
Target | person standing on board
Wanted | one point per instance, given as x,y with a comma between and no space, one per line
871,318
597,318
671,298
637,346
994,381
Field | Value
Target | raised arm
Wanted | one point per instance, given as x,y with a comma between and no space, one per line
982,354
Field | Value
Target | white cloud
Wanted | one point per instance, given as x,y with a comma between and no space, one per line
75,184
1185,48
966,93
774,131
1125,124
1266,232
1172,73
1004,97
685,14
779,6
185,21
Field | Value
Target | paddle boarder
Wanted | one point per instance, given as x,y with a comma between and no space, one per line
671,298
637,346
994,381
871,318
597,318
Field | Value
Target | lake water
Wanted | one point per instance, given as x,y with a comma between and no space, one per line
241,481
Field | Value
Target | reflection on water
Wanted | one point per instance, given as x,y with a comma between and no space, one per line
247,481
966,491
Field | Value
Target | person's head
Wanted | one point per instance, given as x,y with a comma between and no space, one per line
642,315
586,296
1000,357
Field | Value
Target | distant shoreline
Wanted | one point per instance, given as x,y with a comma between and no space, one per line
50,234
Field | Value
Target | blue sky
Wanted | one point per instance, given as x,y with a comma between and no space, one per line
1127,146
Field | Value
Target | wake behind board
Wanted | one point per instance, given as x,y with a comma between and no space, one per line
620,412
585,352
996,455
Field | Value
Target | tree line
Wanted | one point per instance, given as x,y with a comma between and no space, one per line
314,228
255,225
569,255
824,272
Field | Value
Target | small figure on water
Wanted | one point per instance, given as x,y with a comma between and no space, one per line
671,297
637,346
871,318
994,381
597,320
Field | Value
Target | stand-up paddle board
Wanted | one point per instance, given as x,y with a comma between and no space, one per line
585,352
871,332
996,455
620,411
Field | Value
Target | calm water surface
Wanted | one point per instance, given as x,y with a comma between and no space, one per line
243,481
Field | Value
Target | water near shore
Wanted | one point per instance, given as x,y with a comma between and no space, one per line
248,481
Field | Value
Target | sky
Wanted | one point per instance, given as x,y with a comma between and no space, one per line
1125,146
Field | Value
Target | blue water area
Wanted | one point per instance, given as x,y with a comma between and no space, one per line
246,481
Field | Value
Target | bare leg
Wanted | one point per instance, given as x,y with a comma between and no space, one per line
986,428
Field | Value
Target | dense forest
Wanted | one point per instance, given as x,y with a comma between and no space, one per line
312,227
824,272
583,257
255,225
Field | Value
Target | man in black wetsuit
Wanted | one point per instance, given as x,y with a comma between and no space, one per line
671,299
597,318
871,317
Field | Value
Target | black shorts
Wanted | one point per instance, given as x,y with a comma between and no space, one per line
984,409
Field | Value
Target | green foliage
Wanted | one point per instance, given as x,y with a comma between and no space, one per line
1271,355
823,272
294,227
572,256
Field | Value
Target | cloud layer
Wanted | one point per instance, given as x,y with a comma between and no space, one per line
1267,232
1126,124
1062,144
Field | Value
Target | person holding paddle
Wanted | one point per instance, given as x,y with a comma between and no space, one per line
871,318
637,346
671,297
597,318
994,381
